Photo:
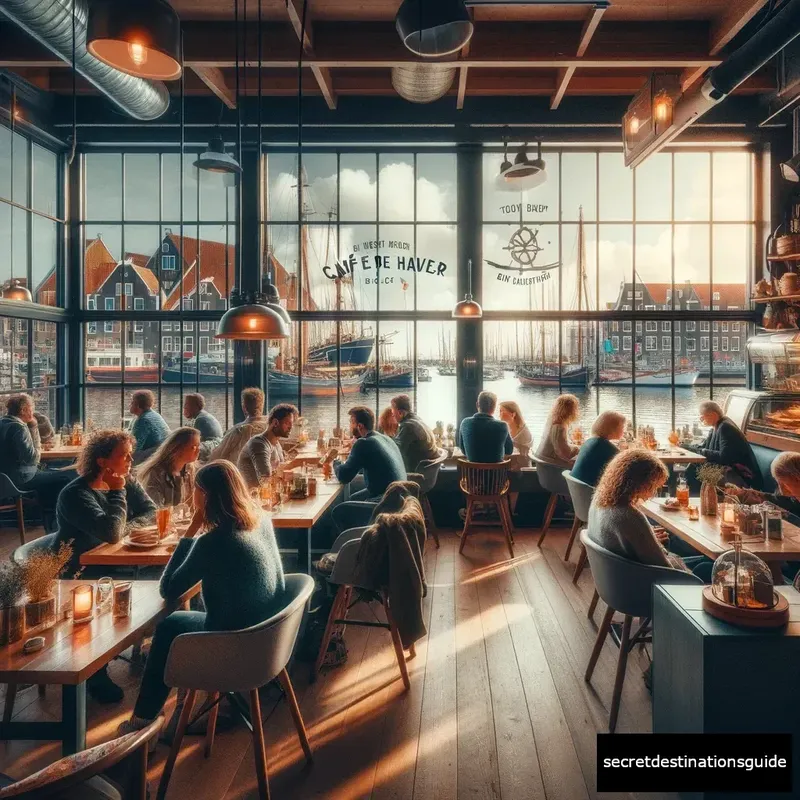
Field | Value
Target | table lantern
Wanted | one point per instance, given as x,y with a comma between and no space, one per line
727,517
742,591
82,602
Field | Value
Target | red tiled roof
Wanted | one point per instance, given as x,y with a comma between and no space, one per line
99,263
730,294
150,280
139,259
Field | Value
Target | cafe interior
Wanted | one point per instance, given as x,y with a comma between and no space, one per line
396,395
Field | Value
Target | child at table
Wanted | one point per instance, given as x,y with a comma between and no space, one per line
237,562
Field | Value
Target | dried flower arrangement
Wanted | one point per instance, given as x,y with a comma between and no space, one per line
41,569
712,474
12,584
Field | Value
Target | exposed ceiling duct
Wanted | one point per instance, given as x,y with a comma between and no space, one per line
50,23
422,83
762,46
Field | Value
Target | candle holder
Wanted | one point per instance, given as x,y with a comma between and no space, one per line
104,595
123,596
83,603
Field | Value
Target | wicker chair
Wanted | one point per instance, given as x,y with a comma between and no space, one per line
488,484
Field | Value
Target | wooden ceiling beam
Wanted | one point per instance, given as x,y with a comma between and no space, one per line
564,77
737,14
589,27
462,72
214,79
303,31
690,76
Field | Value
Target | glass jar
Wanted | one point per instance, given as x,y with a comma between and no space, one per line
682,492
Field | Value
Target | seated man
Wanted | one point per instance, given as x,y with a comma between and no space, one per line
20,451
264,452
727,445
237,437
194,409
414,438
785,469
149,428
484,439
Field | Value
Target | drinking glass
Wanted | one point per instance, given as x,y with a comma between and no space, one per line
163,519
105,595
123,598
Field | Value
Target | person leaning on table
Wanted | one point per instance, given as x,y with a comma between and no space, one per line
238,564
168,475
95,508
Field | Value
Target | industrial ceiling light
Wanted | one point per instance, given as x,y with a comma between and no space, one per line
790,170
468,308
215,159
16,290
139,37
524,173
433,28
250,317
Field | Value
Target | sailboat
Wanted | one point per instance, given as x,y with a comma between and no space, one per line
544,372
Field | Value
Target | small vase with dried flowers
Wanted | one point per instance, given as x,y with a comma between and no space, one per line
12,613
710,477
41,571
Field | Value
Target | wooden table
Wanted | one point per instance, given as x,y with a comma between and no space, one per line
677,455
66,452
704,535
73,653
299,515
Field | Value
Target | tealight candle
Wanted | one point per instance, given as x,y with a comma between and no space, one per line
82,602
728,514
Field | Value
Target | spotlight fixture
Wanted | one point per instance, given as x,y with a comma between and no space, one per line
433,28
215,159
141,38
524,173
468,308
16,290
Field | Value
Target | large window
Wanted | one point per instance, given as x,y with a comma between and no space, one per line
674,237
31,217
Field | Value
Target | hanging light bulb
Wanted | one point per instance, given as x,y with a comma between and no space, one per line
468,308
633,125
138,53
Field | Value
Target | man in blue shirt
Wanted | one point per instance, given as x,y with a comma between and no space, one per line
484,439
377,457
149,428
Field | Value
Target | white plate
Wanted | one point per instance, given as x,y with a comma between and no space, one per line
142,545
665,507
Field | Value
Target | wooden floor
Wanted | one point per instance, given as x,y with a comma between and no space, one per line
498,707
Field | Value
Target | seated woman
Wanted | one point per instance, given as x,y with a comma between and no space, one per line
555,445
598,449
95,508
785,468
521,436
168,475
238,564
98,505
617,524
387,422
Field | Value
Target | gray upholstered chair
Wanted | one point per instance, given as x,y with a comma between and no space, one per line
11,498
228,662
426,475
626,587
551,480
23,552
581,496
343,577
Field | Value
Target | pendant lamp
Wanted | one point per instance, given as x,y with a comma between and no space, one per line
468,308
249,318
140,37
16,290
215,159
433,28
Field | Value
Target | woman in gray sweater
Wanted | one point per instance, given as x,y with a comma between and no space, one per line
237,562
618,524
168,475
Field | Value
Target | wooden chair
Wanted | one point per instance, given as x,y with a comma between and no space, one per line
343,576
232,662
488,484
79,775
11,498
626,587
426,475
551,480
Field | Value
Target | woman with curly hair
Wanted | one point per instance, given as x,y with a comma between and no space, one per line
617,524
95,508
555,445
104,498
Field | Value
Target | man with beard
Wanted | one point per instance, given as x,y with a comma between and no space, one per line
264,452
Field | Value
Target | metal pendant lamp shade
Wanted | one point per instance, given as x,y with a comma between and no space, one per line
252,322
468,308
215,159
433,28
274,303
790,170
15,290
139,37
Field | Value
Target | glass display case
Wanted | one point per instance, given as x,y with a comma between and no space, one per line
770,419
778,354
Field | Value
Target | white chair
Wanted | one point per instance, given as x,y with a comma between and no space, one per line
229,662
343,577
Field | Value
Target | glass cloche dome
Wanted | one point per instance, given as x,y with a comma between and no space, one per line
743,580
